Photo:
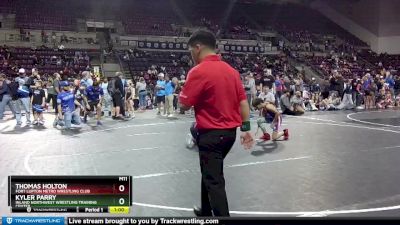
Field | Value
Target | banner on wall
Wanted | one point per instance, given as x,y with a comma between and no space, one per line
244,48
95,24
183,46
162,45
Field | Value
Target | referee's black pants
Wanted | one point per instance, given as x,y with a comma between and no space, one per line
214,145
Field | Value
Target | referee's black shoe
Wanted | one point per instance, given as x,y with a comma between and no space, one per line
199,212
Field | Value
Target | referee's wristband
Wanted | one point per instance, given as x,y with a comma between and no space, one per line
245,126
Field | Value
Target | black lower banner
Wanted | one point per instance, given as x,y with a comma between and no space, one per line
222,221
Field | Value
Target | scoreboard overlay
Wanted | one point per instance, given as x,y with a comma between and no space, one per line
75,194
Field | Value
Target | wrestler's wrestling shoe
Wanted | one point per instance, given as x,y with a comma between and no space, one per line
285,134
265,137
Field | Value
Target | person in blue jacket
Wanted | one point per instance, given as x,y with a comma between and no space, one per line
66,102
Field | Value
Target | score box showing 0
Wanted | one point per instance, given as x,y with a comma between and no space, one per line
97,194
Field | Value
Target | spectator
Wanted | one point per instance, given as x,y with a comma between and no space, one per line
373,88
141,87
129,99
368,101
177,91
397,86
53,38
286,82
354,83
59,61
93,101
38,101
79,91
298,84
298,103
57,91
268,79
5,96
43,35
286,106
116,90
126,57
397,101
63,38
308,102
28,36
107,98
331,102
250,88
86,79
66,102
279,88
315,90
339,85
384,100
333,84
169,97
23,97
359,93
182,80
266,95
347,101
390,82
379,81
160,94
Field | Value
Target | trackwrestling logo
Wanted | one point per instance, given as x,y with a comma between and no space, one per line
33,220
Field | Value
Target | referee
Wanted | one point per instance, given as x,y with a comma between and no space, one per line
215,90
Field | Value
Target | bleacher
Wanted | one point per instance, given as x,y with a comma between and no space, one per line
297,23
47,61
155,17
40,14
7,6
381,60
150,17
141,61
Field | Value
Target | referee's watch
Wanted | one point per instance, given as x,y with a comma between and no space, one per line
245,126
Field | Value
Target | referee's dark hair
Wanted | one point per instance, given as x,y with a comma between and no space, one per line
203,37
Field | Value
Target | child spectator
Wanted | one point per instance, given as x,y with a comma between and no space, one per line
308,102
384,100
330,103
298,103
38,101
267,96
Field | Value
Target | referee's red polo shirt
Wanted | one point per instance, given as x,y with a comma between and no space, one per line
215,90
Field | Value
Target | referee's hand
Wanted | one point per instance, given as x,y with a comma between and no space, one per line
247,140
